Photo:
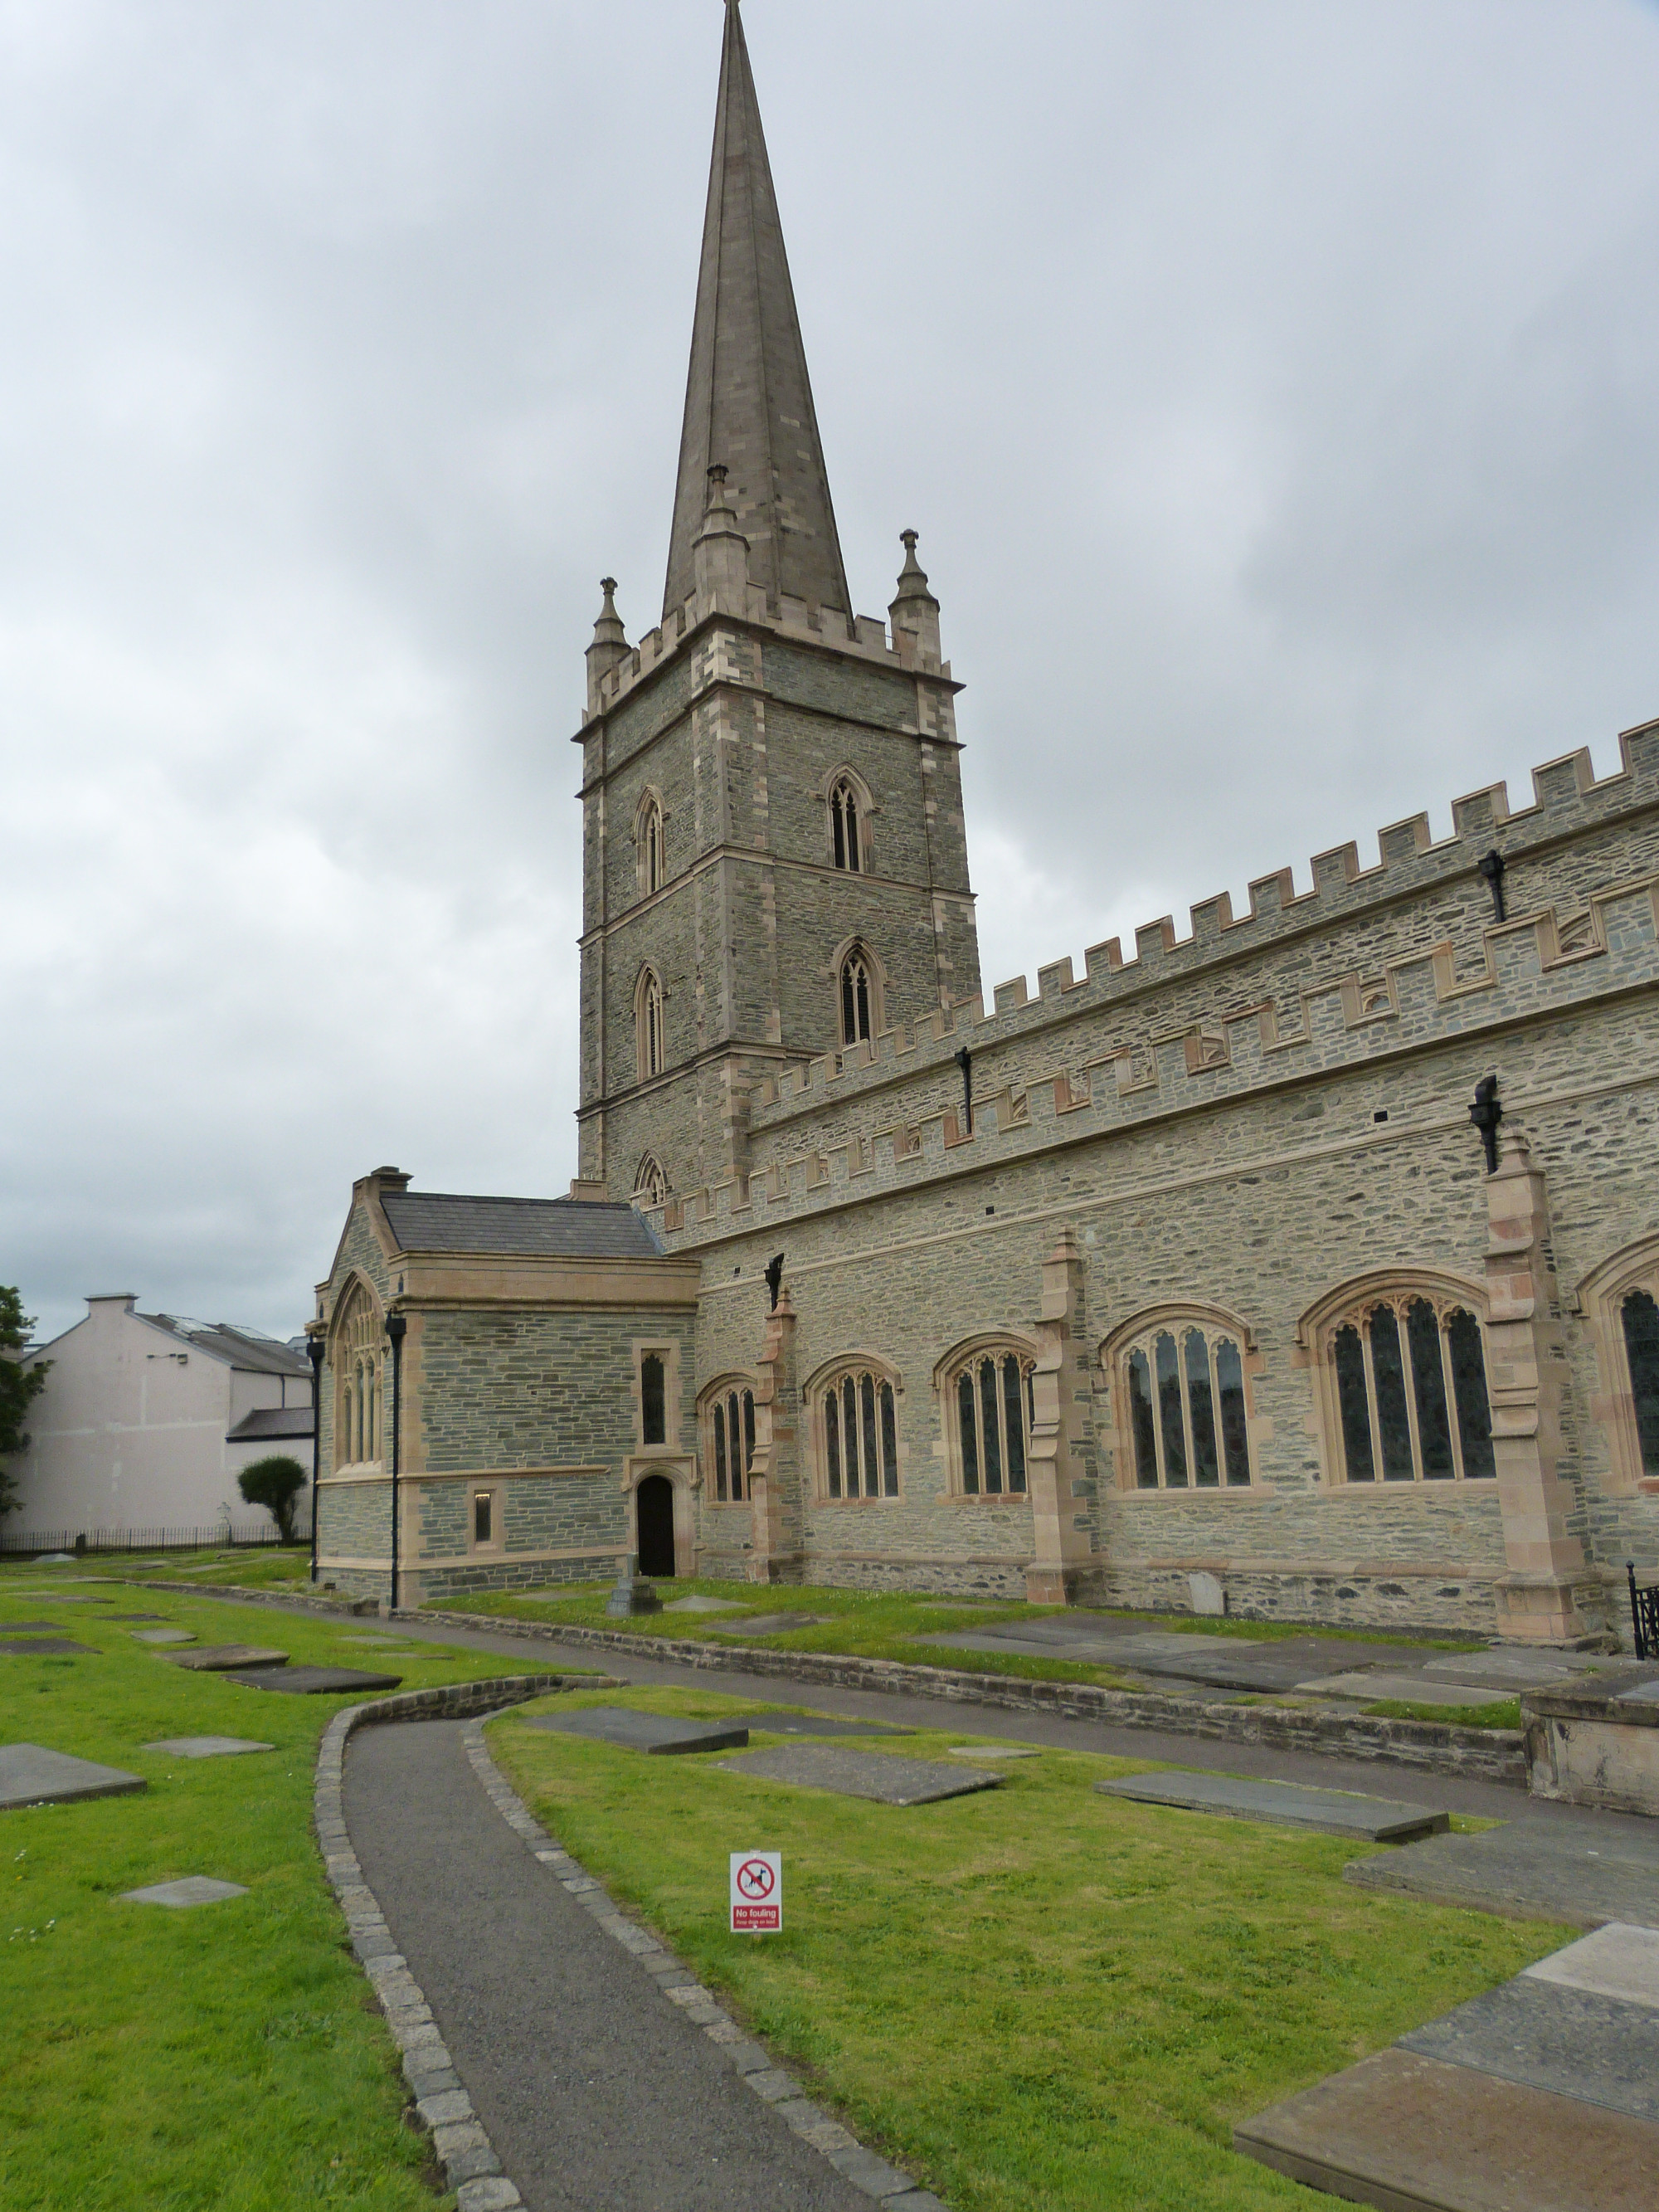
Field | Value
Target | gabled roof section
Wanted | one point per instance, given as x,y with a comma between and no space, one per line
273,1424
748,399
246,1348
525,1228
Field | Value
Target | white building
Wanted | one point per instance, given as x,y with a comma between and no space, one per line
147,1420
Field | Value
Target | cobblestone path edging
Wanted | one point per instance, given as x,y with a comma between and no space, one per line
890,2188
471,2166
1481,1755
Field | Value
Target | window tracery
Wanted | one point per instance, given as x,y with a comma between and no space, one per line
357,1358
857,997
648,1025
648,840
1402,1374
848,831
650,1181
728,1421
986,1393
855,1419
1620,1299
1183,1417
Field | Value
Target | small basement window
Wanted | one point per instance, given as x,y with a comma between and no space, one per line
483,1517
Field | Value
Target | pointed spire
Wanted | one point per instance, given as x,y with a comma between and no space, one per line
609,644
749,400
913,613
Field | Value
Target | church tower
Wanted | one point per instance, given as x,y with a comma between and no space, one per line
774,864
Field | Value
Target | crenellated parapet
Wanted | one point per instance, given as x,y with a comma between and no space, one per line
1240,1004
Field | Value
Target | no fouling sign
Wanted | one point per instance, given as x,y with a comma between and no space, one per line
756,1892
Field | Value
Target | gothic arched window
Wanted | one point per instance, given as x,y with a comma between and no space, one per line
647,1024
1620,1301
650,1183
1402,1373
357,1357
986,1390
728,1418
857,993
1178,1385
648,835
848,842
857,1425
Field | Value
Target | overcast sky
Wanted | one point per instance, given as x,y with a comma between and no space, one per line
1275,388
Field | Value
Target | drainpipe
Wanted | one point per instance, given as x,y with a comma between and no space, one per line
396,1328
314,1354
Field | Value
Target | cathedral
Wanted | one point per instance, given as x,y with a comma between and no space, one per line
1304,1265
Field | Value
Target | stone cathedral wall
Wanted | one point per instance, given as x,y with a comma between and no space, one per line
1246,1119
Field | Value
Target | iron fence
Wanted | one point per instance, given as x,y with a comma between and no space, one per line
222,1536
1644,1615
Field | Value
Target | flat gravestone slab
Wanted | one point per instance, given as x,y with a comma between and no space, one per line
879,1775
1403,1690
206,1746
1617,1961
705,1605
991,1751
816,1724
1584,1874
1546,2036
774,1624
220,1658
23,1645
32,1776
194,1889
1512,1669
1644,1693
30,1627
163,1636
1336,1812
311,1681
657,1733
1402,2130
138,1616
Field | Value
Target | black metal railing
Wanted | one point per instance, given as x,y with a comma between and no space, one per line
221,1536
1644,1615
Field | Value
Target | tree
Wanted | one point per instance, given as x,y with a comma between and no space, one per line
19,1387
274,1483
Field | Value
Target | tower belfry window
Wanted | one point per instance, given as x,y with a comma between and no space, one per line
846,841
648,836
857,993
647,1024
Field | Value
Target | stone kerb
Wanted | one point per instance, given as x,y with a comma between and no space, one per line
1490,1754
1420,1004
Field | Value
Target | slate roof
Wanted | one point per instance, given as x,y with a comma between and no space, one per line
273,1421
748,397
246,1348
535,1228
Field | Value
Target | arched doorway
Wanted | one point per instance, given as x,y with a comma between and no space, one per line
653,1504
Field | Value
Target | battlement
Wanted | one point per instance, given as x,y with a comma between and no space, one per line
862,637
1567,797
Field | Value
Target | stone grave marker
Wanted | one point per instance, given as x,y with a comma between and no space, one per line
163,1636
1619,1960
1402,2130
30,1775
884,1778
772,1624
814,1724
1546,2035
656,1732
206,1746
1287,1804
310,1681
705,1605
1513,1668
30,1627
221,1658
1403,1689
139,1616
24,1646
1584,1873
992,1751
194,1889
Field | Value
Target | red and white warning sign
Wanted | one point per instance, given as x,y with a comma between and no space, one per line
756,1892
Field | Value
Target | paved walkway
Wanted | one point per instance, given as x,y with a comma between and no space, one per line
595,2090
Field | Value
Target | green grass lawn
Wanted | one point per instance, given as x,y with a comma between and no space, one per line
868,1627
1037,1999
264,1567
229,2057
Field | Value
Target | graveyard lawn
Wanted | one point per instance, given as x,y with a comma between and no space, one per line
228,2056
859,1625
1034,1999
264,1567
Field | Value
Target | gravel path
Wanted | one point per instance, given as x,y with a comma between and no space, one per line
596,2092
